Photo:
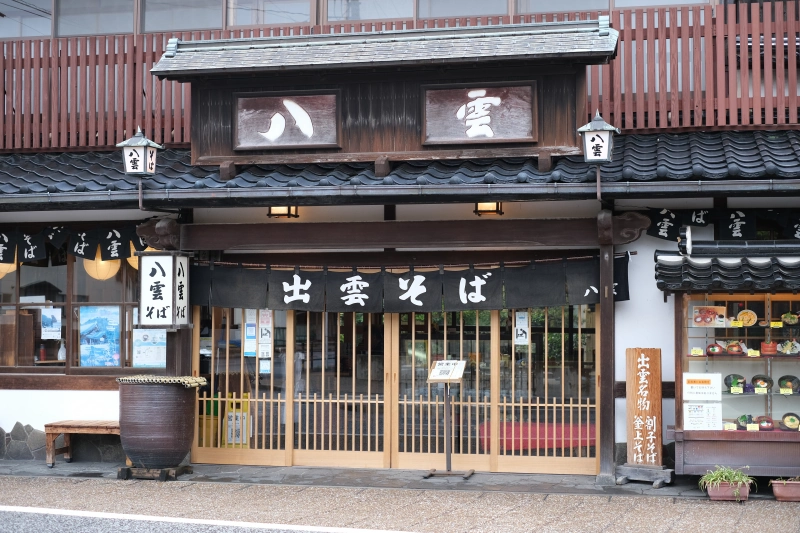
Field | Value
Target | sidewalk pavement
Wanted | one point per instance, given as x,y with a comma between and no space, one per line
389,499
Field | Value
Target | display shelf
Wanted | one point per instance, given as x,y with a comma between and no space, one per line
772,452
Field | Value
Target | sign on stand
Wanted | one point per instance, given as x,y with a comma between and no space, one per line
447,372
644,425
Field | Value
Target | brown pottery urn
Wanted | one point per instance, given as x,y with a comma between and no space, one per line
156,419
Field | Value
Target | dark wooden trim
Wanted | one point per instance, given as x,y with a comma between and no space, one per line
422,155
667,389
679,340
606,475
57,382
227,171
390,234
390,258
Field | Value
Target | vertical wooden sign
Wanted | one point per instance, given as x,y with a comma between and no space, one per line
643,397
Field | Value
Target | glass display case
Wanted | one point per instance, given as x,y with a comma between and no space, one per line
738,383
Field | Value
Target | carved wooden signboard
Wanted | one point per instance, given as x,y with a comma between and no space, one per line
643,396
480,114
286,121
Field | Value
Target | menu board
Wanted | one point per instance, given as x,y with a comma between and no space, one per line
702,416
447,371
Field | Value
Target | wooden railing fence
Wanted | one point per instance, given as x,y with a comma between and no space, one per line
677,69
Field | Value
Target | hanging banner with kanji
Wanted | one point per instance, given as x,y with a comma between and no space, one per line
355,292
412,291
643,403
473,289
300,290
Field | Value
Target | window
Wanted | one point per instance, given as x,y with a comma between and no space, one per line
178,15
64,312
25,18
342,10
88,17
464,8
537,6
257,12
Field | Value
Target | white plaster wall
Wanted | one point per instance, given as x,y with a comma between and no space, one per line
39,407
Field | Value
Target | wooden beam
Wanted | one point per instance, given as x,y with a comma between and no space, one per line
390,258
422,155
57,382
667,389
545,162
227,170
434,235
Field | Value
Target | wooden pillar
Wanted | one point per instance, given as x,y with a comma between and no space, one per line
179,352
605,370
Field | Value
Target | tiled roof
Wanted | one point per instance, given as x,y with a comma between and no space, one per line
747,162
588,40
681,273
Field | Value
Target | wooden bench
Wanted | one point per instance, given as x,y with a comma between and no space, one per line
72,427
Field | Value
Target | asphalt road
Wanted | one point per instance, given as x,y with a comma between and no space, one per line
30,519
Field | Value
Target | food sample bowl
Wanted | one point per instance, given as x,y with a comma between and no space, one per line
791,421
762,381
714,349
737,378
789,382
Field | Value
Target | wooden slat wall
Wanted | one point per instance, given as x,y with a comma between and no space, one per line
677,69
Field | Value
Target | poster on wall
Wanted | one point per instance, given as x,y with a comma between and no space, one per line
51,323
99,335
702,416
265,334
150,348
708,316
522,333
701,386
250,333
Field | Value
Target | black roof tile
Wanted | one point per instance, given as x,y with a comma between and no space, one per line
637,158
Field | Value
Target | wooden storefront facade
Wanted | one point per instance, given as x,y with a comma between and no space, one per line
350,389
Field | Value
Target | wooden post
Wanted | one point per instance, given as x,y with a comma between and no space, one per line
606,475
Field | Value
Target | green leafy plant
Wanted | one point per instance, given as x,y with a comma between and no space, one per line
723,474
784,481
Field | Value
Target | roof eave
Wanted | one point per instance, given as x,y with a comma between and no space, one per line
588,57
376,194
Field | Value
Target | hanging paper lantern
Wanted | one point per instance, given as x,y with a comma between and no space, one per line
99,269
133,260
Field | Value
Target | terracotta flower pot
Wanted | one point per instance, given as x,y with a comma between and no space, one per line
729,492
786,491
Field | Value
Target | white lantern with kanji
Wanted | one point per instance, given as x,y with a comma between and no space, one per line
598,140
139,155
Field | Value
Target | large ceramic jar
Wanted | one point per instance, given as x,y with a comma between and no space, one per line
156,419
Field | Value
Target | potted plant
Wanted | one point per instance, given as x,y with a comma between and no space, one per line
786,490
725,483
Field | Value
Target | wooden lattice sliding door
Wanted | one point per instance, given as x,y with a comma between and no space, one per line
339,397
360,395
421,339
242,413
547,398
